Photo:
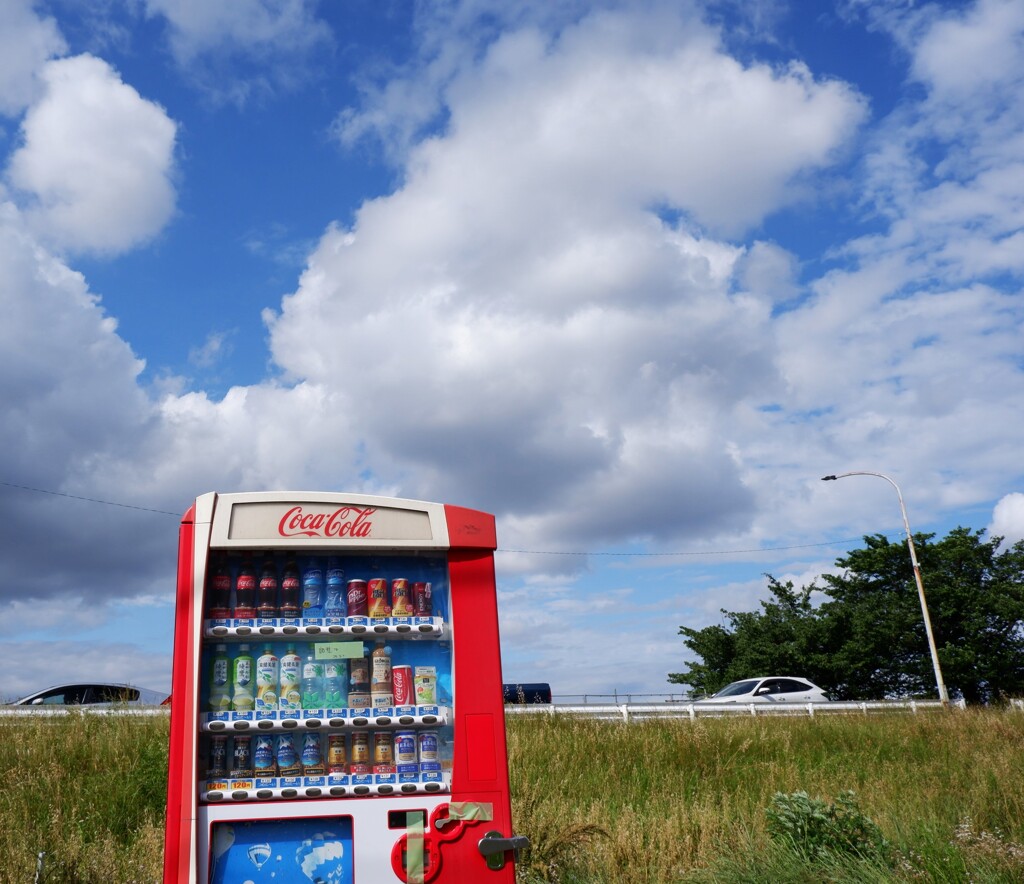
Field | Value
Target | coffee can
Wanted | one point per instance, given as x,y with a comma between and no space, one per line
337,761
288,762
218,767
401,599
241,758
355,594
263,762
421,598
312,759
378,598
360,748
401,684
383,748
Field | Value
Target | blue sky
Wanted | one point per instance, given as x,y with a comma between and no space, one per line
631,276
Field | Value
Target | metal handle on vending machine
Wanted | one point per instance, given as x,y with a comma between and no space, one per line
493,847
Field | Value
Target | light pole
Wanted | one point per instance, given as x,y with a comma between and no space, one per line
943,695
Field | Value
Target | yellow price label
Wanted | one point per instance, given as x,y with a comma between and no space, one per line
337,650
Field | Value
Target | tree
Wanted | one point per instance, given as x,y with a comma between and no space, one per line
867,639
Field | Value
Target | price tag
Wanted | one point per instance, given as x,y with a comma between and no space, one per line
337,650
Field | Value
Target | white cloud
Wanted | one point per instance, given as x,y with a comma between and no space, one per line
245,47
26,43
96,160
1008,519
545,345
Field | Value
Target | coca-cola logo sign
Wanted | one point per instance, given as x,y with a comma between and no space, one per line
346,521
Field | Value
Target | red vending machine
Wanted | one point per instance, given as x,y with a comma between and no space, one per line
337,710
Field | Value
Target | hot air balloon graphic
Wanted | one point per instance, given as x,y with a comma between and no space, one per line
259,854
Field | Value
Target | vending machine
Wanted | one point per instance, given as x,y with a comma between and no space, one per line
336,712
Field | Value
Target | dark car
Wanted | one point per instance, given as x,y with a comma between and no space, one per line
93,694
527,693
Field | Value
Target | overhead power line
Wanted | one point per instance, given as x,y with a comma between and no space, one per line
127,506
531,552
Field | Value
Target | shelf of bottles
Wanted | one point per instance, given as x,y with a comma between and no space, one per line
324,685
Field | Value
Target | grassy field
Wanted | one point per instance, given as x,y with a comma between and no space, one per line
936,797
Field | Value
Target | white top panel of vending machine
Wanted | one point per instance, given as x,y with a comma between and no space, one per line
319,518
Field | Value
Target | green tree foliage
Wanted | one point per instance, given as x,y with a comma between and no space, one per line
866,638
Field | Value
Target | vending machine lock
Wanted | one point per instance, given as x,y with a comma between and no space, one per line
493,847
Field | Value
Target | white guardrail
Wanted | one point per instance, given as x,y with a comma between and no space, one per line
85,709
608,712
628,712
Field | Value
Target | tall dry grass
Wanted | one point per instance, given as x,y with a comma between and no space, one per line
674,801
603,803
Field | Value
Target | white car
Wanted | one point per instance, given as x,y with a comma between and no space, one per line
773,689
93,694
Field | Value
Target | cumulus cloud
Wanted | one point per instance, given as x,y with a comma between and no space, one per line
547,344
26,43
96,160
1008,519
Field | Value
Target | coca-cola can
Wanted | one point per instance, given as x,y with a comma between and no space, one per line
401,685
401,598
378,598
422,602
355,594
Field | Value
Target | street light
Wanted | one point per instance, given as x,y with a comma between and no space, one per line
943,695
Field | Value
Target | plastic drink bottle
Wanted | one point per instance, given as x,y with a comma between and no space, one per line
380,669
289,697
312,592
242,698
290,586
245,589
335,679
267,677
220,680
267,606
312,682
335,605
219,602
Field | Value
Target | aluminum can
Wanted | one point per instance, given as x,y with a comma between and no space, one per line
378,598
422,602
383,748
288,761
401,685
406,752
241,757
401,598
263,762
426,744
360,749
355,594
312,757
218,767
337,760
